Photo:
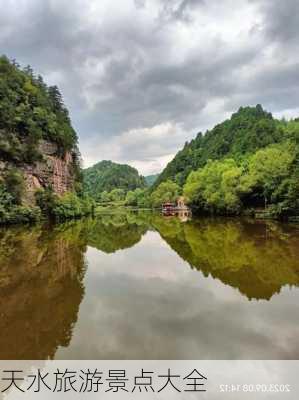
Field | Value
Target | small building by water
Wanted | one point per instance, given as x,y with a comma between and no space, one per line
179,208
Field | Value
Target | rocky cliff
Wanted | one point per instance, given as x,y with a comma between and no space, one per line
52,170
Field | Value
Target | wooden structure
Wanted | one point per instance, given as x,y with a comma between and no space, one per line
179,208
168,208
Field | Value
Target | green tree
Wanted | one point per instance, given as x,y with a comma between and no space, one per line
107,175
166,192
268,171
29,111
139,198
248,130
131,198
117,194
105,197
215,187
14,183
46,201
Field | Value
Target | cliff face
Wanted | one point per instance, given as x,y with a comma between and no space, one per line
36,138
52,171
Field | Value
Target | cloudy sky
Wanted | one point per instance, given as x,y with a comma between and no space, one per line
141,77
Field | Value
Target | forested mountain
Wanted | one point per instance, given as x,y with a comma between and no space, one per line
151,179
106,176
30,111
249,129
39,157
249,163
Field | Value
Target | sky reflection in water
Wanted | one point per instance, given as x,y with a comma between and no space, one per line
140,286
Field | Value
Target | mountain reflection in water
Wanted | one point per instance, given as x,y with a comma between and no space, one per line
119,286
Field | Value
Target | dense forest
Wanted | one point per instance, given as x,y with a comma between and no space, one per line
108,181
248,130
249,162
30,113
151,179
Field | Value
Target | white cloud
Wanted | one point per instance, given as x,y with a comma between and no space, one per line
147,149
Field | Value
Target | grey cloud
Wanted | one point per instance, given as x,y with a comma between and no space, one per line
176,93
50,40
281,20
140,3
123,68
179,10
275,86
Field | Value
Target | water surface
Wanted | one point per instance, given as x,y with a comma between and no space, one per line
143,286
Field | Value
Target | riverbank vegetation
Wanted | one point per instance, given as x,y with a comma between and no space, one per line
267,179
247,163
47,205
61,208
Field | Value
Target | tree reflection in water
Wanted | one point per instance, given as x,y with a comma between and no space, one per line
42,268
258,258
41,288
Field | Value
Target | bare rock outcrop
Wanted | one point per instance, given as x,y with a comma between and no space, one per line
53,170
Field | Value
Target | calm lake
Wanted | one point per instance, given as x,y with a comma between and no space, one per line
143,286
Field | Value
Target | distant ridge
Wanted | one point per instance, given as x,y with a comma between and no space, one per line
108,175
151,179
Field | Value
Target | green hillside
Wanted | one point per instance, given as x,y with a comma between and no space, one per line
248,163
30,111
248,130
36,136
151,179
107,176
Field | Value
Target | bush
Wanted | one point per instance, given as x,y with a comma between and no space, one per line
46,200
215,188
71,206
19,215
138,198
166,192
24,214
14,184
10,211
66,207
